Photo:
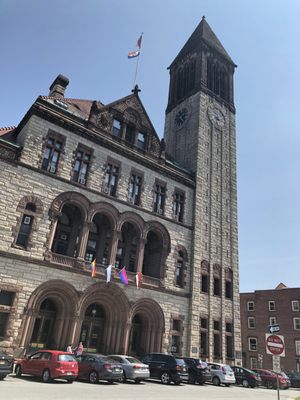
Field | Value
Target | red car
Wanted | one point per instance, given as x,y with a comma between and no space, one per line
269,379
49,364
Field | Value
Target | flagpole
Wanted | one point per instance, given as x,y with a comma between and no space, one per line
137,62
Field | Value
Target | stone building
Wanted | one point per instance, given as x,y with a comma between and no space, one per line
261,309
83,181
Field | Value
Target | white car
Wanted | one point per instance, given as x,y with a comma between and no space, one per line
221,374
133,369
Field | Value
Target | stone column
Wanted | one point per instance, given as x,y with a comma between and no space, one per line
53,216
114,246
83,240
140,254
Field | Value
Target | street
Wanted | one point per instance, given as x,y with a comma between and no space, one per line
28,388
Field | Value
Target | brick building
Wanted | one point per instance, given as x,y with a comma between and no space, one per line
81,180
268,307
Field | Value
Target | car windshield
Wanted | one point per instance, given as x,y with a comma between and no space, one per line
132,360
179,361
65,357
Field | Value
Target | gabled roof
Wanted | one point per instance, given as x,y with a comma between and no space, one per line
203,33
281,286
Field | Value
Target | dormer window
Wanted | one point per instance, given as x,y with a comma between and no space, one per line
116,130
129,134
141,141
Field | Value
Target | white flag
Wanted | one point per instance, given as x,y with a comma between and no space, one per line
108,273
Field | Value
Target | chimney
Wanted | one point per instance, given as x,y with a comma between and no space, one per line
58,87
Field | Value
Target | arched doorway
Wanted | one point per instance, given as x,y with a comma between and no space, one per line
134,346
92,328
67,232
127,247
153,255
42,334
147,327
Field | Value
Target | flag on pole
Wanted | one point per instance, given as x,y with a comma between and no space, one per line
138,279
108,273
136,53
93,268
123,276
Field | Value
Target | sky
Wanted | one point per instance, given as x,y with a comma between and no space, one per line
88,42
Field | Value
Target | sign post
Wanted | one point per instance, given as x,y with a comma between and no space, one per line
275,347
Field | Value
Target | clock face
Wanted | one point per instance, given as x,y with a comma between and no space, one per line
181,117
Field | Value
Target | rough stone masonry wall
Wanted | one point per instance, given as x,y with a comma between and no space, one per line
17,181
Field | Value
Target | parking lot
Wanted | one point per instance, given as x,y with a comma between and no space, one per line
28,388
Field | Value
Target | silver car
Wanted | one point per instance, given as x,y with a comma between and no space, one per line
221,374
133,369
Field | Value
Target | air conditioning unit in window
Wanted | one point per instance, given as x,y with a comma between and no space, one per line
131,200
176,217
82,181
106,189
52,169
160,211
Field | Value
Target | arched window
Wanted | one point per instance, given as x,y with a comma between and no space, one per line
30,208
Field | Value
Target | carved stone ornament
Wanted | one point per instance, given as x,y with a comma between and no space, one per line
216,116
104,121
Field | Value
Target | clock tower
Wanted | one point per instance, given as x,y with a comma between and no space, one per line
200,137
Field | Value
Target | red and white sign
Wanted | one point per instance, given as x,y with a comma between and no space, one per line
275,345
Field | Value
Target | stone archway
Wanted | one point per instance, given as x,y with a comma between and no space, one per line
58,300
116,307
147,327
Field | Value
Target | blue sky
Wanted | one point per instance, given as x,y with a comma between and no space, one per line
88,41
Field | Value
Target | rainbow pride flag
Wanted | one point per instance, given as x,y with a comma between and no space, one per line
93,268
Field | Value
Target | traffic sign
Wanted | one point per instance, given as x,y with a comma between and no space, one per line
275,345
274,328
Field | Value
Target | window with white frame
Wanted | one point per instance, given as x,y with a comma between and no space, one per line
297,345
253,362
272,320
250,305
296,324
295,305
272,305
252,344
251,322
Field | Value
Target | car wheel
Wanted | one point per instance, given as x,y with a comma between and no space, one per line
269,385
111,381
216,381
245,383
70,380
2,377
93,377
124,377
177,383
18,371
227,384
165,378
137,380
192,378
46,377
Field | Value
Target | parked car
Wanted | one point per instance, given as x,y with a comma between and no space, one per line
166,367
6,365
284,375
269,379
294,378
246,377
198,370
49,364
95,367
133,369
221,374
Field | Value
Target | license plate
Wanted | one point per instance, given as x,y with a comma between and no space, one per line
69,373
2,362
183,369
117,370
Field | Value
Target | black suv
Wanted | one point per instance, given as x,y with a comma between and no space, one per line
198,370
166,367
6,365
246,377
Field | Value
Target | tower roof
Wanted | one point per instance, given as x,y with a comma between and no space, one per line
203,33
